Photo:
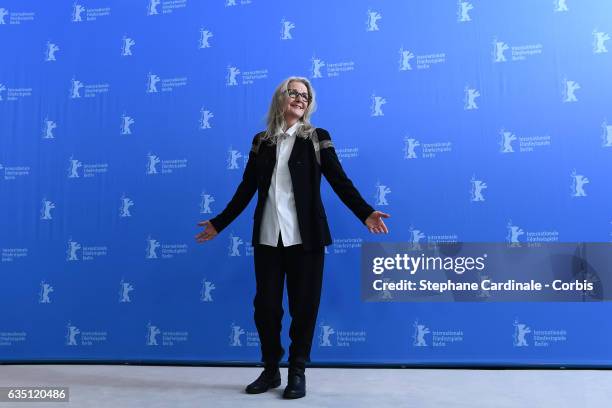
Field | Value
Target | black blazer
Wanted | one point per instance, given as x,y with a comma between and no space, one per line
306,181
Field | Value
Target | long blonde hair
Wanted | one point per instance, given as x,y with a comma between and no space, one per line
275,121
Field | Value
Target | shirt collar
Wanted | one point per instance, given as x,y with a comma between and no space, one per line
293,128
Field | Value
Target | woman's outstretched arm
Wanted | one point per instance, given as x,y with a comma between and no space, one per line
344,188
243,195
339,181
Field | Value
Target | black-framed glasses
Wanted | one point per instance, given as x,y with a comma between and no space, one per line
293,94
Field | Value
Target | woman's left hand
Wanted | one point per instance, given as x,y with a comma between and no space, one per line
375,223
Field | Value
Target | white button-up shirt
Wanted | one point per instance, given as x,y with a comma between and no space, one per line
279,212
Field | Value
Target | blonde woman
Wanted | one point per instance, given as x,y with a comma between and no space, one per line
290,227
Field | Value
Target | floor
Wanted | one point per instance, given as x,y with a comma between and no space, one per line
170,386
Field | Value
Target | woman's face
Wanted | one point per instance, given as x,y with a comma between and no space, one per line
295,106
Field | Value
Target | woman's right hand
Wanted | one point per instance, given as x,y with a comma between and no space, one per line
209,232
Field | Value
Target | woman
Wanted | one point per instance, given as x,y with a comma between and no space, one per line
290,227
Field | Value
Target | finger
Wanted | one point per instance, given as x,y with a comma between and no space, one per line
203,223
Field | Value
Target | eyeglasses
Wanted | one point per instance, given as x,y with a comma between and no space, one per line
293,94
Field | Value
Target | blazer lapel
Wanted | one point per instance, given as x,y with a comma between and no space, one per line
298,145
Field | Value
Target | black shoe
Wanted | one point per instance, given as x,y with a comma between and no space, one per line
296,384
269,378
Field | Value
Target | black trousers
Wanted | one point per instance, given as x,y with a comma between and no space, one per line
304,271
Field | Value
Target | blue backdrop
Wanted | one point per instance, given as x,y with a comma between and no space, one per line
123,124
